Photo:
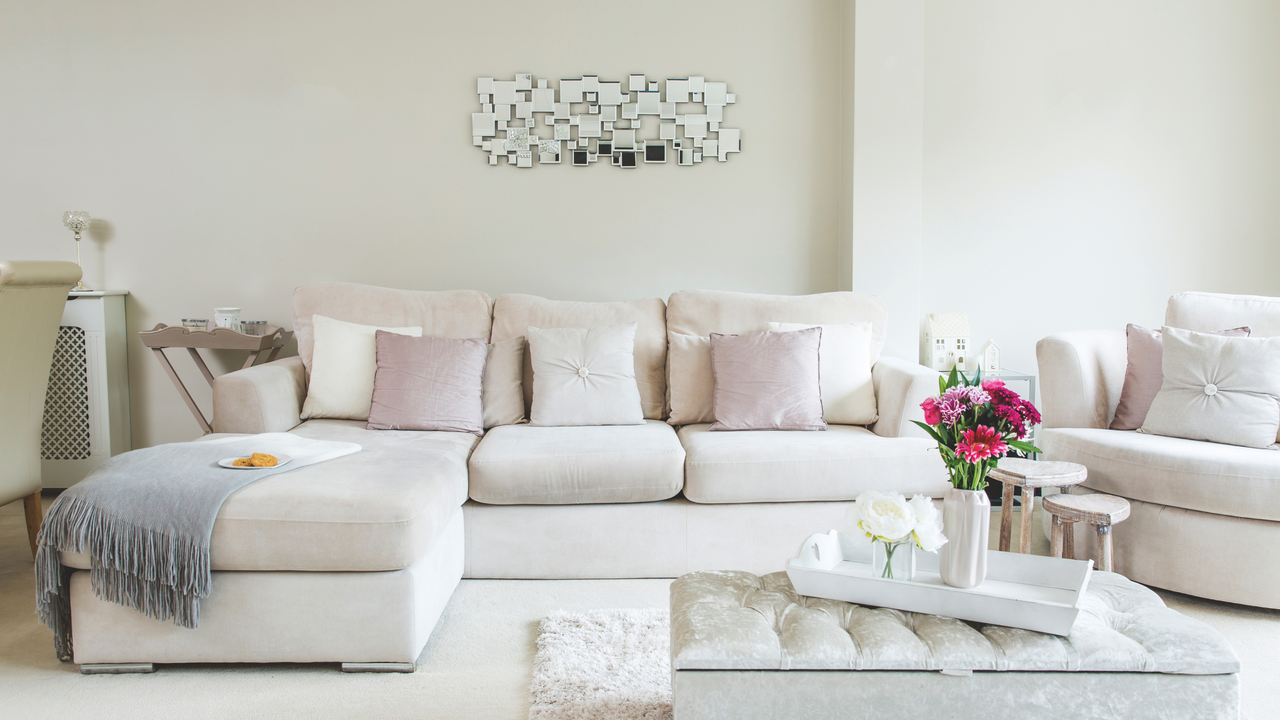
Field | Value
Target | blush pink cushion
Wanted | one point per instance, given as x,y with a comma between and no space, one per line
1144,374
767,381
428,383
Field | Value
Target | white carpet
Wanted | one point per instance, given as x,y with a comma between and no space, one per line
478,663
603,665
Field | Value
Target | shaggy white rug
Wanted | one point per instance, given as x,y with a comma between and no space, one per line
602,665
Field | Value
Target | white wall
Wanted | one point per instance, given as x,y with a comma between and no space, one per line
1084,160
239,149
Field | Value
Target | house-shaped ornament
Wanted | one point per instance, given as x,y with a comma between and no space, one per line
990,357
946,341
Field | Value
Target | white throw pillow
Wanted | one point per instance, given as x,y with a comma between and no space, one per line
844,362
1217,388
343,363
584,376
691,383
503,388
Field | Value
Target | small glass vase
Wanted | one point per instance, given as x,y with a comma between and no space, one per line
894,560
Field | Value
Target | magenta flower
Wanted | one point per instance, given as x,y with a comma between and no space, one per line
932,415
952,409
981,443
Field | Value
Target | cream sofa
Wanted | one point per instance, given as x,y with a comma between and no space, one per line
1205,517
353,560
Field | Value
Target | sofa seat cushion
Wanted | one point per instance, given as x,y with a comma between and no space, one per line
379,509
1188,474
781,466
526,465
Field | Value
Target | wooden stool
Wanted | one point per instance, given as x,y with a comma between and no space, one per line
1101,511
1029,475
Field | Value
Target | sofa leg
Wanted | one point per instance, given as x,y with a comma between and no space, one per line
384,667
35,516
116,668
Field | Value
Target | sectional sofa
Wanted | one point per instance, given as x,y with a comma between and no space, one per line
353,560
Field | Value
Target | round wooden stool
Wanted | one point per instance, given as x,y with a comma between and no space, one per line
1101,511
1029,475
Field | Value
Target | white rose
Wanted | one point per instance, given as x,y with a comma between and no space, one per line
928,530
884,516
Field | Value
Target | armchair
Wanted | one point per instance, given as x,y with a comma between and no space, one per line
32,297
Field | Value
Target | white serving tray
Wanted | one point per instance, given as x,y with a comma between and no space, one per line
1021,591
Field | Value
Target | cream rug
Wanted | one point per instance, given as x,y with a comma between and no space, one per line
602,665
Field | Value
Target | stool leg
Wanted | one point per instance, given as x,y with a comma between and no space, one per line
1028,507
1006,516
1104,547
1069,540
1055,537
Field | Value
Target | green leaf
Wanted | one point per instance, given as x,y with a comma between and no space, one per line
942,384
977,377
932,433
1024,446
952,379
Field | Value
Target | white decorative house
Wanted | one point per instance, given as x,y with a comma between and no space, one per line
990,358
946,341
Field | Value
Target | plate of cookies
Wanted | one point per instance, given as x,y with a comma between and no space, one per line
256,461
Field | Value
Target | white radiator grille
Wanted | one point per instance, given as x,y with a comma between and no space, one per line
66,404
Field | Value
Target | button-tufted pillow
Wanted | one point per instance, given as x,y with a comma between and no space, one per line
584,376
1220,389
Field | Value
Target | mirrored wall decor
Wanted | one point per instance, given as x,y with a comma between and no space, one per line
625,123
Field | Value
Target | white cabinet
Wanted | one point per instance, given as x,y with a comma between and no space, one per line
86,414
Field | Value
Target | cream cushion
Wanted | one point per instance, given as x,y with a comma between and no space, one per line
460,314
698,313
1217,388
513,314
343,366
1215,478
844,360
691,383
1206,312
584,376
379,509
782,466
527,465
503,396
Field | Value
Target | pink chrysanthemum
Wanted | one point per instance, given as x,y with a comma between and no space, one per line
981,443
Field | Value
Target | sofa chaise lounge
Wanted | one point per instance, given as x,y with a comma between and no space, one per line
353,560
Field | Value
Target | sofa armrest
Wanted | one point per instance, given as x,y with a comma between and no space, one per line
900,387
263,398
1081,374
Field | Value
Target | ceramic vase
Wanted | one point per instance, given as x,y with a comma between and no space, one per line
966,521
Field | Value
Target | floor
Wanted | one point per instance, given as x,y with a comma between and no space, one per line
477,664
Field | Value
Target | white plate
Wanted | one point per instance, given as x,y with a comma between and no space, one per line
226,463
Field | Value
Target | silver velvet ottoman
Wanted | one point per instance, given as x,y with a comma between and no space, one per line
747,647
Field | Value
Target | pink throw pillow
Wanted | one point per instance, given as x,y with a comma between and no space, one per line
1145,373
767,381
428,383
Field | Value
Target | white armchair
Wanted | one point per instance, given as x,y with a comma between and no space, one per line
1205,517
32,297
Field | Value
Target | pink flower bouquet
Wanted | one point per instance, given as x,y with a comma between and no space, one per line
977,423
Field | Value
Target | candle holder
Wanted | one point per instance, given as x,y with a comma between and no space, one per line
77,221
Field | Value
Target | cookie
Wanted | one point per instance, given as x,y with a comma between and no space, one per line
263,460
242,462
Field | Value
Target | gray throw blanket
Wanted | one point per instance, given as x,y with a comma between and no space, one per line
145,518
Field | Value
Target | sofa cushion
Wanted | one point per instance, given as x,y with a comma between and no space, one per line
527,465
1207,312
514,314
447,313
781,466
1188,474
379,509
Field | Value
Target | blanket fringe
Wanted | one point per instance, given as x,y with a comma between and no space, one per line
156,573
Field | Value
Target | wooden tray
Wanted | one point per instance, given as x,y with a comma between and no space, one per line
1021,591
165,336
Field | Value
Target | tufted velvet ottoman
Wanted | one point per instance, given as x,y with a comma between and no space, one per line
747,647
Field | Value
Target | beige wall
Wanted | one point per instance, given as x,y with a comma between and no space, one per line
1039,165
1084,160
238,149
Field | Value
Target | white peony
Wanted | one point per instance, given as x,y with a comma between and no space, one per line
885,517
928,530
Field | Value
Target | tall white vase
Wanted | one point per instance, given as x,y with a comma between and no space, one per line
966,521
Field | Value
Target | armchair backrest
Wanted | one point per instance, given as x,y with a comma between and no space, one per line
1210,312
33,295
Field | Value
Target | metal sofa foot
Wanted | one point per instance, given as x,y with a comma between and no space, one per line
116,668
385,667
